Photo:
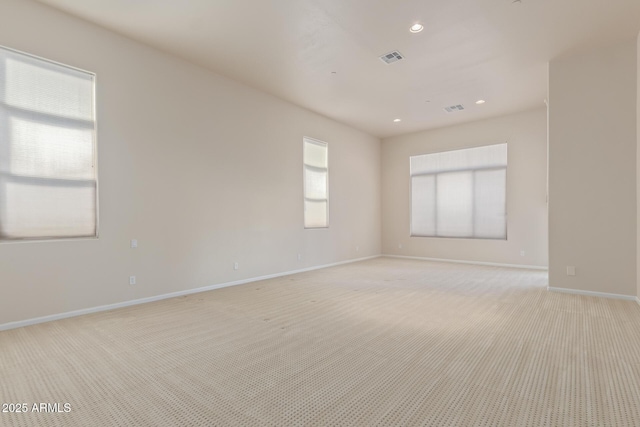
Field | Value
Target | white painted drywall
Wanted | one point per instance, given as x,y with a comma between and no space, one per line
525,134
202,170
592,170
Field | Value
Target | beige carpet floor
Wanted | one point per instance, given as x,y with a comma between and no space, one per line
383,342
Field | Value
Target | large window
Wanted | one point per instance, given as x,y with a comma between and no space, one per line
47,149
316,184
460,193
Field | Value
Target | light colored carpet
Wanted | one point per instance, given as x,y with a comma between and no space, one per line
383,342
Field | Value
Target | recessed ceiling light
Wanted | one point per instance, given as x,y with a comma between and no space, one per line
480,101
416,28
397,120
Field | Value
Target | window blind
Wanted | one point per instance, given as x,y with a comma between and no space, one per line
316,184
460,193
48,181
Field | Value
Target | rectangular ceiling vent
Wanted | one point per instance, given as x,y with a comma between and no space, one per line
391,57
454,108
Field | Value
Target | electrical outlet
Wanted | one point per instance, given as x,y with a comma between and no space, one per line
236,265
357,248
522,253
132,280
571,270
134,243
399,245
299,257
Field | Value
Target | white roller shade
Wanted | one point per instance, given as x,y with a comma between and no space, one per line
316,184
460,193
47,149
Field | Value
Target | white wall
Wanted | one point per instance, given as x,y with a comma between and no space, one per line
202,170
592,170
526,135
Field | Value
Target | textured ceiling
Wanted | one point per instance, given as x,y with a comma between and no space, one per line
323,54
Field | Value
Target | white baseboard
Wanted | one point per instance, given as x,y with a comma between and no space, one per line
50,318
593,294
457,261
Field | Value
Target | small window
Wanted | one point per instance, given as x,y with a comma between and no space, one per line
48,180
460,193
316,184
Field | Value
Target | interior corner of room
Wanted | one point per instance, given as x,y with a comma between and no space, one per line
319,212
210,182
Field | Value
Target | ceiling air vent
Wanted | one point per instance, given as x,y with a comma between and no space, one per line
391,57
454,108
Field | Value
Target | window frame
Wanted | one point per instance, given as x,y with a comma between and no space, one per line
304,182
94,142
473,170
